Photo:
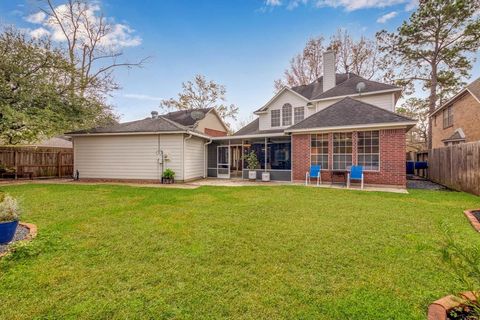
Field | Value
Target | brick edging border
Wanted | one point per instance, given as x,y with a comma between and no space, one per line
473,220
32,233
438,310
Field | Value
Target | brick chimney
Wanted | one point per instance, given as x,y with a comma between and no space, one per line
328,70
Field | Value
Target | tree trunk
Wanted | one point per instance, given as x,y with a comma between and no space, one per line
432,102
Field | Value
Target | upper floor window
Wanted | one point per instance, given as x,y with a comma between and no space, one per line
298,114
275,118
287,114
368,150
448,117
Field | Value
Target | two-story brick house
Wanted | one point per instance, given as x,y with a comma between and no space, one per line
457,120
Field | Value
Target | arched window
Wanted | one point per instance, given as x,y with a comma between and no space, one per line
287,114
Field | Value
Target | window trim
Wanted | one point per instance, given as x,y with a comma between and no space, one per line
294,114
449,118
328,151
287,106
333,150
279,118
379,151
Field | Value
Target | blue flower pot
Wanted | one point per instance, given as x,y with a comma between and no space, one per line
7,231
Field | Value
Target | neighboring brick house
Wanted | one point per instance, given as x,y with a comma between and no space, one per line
457,120
337,121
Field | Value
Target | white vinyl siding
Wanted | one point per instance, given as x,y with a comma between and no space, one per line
384,101
194,158
128,156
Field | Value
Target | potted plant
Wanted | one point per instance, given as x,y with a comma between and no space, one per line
9,216
168,176
252,164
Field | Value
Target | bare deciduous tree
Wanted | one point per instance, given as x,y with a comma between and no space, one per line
202,93
305,67
357,56
90,44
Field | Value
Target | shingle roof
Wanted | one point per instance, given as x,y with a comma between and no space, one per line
253,128
474,88
345,84
349,112
145,125
184,117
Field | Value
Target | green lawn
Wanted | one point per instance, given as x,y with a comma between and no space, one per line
118,252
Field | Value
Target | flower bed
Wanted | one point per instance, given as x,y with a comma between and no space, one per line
474,216
25,232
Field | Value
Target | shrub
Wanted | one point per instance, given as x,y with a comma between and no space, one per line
168,174
9,209
464,262
252,160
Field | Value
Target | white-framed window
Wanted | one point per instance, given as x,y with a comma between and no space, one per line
275,118
287,114
448,117
342,150
298,114
368,150
319,150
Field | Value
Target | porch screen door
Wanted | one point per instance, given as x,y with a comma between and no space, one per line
223,162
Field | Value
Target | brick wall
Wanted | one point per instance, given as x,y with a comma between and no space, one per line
392,158
215,133
466,115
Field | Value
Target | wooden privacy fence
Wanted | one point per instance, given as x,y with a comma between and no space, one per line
457,167
38,161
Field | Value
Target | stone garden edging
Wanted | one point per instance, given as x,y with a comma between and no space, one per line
32,233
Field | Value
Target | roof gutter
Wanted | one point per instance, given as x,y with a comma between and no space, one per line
356,127
358,94
249,136
137,133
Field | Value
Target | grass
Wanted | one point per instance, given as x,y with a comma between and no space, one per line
118,252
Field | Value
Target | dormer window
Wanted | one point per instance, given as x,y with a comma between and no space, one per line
275,118
298,114
287,114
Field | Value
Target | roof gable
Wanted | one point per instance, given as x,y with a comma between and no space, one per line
350,112
345,84
185,118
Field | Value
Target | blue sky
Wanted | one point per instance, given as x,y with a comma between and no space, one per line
243,44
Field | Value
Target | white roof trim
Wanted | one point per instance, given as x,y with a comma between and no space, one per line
357,126
478,100
276,96
449,101
249,136
358,94
137,133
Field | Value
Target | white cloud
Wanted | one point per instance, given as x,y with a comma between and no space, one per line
39,33
120,35
387,17
349,5
273,3
411,5
141,97
36,18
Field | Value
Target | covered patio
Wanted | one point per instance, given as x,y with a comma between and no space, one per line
273,151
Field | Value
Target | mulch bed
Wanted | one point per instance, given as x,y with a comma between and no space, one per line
21,234
476,214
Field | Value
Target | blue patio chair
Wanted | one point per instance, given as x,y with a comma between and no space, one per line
356,173
315,172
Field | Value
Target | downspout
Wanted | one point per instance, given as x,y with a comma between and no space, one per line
205,159
183,160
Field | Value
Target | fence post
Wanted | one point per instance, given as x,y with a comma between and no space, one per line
59,155
15,162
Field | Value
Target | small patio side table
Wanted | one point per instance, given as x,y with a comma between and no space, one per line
338,173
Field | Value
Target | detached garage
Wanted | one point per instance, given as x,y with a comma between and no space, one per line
141,150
